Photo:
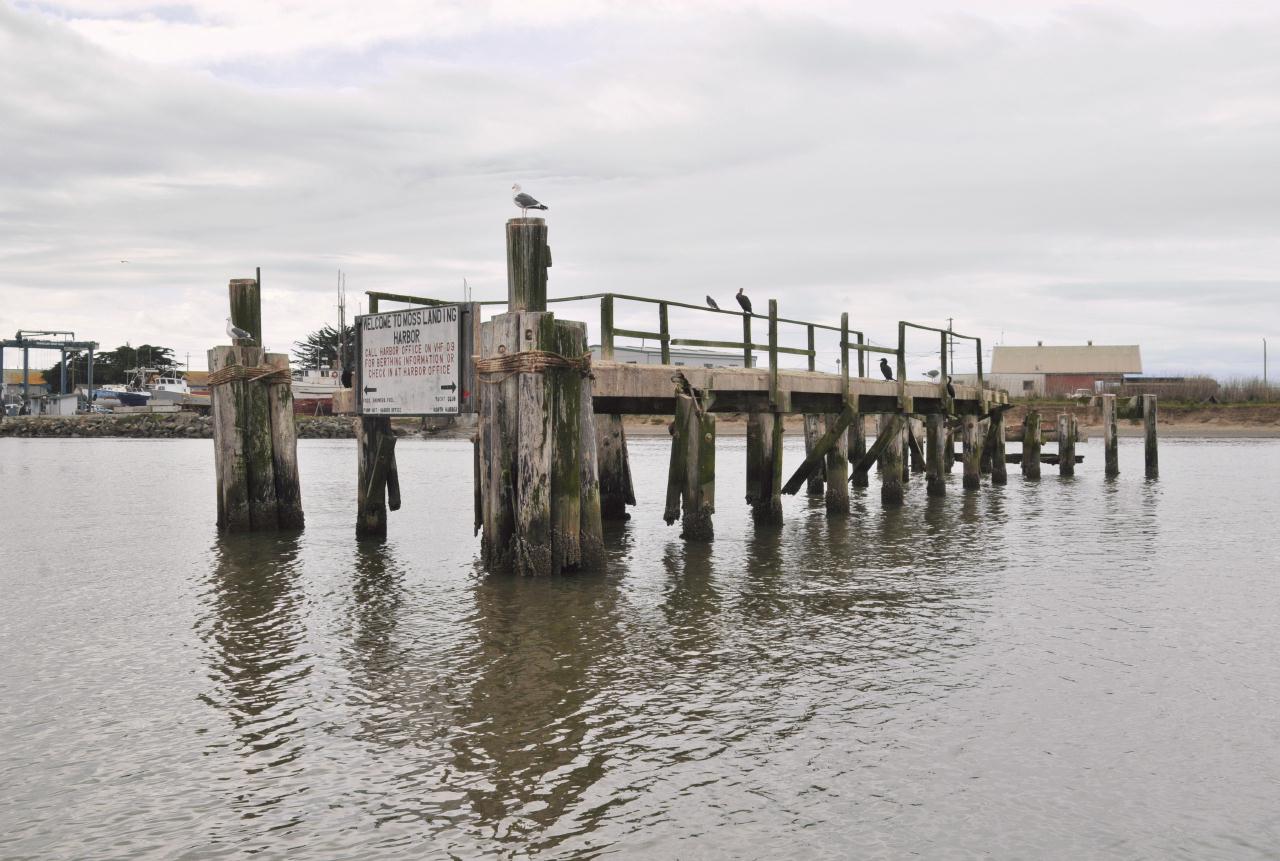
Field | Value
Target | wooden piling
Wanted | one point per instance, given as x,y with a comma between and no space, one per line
857,448
255,441
696,435
1110,440
528,257
972,452
949,451
905,436
376,444
1031,446
999,464
246,306
1066,444
812,433
1151,448
935,440
892,468
616,491
837,496
764,467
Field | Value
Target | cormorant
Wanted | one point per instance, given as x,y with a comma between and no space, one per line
951,390
524,201
884,368
712,303
744,301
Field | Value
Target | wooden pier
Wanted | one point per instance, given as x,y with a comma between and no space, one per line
551,458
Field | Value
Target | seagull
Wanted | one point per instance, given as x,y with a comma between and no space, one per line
712,303
884,368
951,390
744,301
526,202
236,332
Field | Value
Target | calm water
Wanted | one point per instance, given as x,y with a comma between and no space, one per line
1065,669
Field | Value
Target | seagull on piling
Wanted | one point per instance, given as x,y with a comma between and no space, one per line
526,202
884,368
711,303
744,301
238,333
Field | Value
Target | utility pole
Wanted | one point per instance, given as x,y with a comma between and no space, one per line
1264,363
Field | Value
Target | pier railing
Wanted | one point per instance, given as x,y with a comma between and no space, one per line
850,339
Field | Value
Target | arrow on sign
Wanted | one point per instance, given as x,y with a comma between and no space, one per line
452,387
368,389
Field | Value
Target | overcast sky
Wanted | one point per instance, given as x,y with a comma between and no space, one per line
1056,172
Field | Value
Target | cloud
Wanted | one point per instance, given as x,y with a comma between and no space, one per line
1045,174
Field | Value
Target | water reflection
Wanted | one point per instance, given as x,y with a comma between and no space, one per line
251,624
526,754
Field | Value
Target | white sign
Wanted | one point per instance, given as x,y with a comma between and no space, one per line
409,362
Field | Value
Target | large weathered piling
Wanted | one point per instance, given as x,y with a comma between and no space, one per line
1149,420
540,499
1066,444
691,483
891,468
813,433
972,452
1031,446
616,489
999,469
935,440
857,448
1110,445
764,466
255,442
916,443
837,496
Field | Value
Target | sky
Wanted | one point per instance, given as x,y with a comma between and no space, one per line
1056,172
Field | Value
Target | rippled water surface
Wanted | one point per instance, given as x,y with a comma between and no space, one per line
1064,669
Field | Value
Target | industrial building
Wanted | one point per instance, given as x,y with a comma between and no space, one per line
1059,371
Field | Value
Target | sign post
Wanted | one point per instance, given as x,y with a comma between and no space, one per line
410,362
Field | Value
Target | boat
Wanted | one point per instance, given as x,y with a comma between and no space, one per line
313,390
169,388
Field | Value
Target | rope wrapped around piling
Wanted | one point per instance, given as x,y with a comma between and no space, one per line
243,374
529,362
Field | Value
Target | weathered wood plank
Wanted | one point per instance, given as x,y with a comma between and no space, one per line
228,441
532,554
284,447
1066,444
764,467
246,306
614,471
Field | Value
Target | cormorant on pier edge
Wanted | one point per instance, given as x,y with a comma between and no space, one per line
884,368
744,301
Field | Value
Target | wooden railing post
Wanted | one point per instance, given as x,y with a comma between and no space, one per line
606,328
773,353
664,329
813,365
746,340
862,359
844,357
944,373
